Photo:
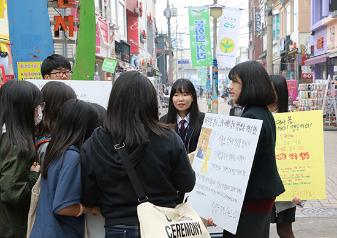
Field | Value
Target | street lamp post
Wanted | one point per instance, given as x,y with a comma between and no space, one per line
216,12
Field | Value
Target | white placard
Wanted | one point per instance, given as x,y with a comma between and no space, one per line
86,90
222,164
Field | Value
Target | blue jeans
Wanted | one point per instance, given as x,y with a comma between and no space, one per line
122,231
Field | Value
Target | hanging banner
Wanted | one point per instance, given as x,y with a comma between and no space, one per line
200,42
228,37
300,154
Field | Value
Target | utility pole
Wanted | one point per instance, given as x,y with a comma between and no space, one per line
269,22
168,14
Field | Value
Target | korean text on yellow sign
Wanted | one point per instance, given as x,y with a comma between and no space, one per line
300,154
29,70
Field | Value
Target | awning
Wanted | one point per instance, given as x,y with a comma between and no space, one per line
316,60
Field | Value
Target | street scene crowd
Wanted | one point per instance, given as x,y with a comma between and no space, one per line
72,148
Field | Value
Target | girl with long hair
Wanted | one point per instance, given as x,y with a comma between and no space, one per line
54,95
156,152
283,213
20,111
184,113
59,211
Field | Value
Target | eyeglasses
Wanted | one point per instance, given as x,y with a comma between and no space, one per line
61,73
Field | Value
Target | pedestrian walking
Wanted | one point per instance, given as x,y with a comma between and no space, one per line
20,111
251,88
54,95
156,152
59,211
283,213
184,113
56,67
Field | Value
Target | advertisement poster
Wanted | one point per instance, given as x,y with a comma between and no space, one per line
300,154
222,164
29,70
292,89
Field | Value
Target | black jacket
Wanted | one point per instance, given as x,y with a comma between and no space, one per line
16,182
162,166
193,132
264,181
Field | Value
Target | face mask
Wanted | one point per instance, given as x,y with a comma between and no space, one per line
38,115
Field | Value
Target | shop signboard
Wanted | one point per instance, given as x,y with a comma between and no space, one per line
320,41
222,164
300,154
29,70
200,40
109,65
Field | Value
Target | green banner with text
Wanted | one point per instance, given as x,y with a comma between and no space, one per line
200,40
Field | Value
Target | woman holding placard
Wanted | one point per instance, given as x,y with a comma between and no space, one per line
283,213
251,88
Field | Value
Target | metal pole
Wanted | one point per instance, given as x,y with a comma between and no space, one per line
170,69
269,22
177,45
215,67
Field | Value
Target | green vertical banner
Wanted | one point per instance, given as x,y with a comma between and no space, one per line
200,40
85,57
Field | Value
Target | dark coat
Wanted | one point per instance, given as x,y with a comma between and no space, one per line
193,132
162,166
16,182
264,181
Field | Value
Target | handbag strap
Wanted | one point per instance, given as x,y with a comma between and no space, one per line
134,179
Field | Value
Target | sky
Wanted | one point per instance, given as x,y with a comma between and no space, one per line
182,18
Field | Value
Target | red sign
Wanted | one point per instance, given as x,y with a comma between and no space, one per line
65,23
133,33
306,75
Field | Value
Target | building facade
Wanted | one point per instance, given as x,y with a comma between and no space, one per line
323,39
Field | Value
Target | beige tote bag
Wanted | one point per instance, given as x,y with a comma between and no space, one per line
34,199
163,222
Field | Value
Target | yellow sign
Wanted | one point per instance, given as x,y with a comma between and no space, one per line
227,45
300,154
29,70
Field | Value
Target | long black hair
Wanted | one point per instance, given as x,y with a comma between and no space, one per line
54,94
257,89
17,106
133,110
281,91
74,124
183,86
